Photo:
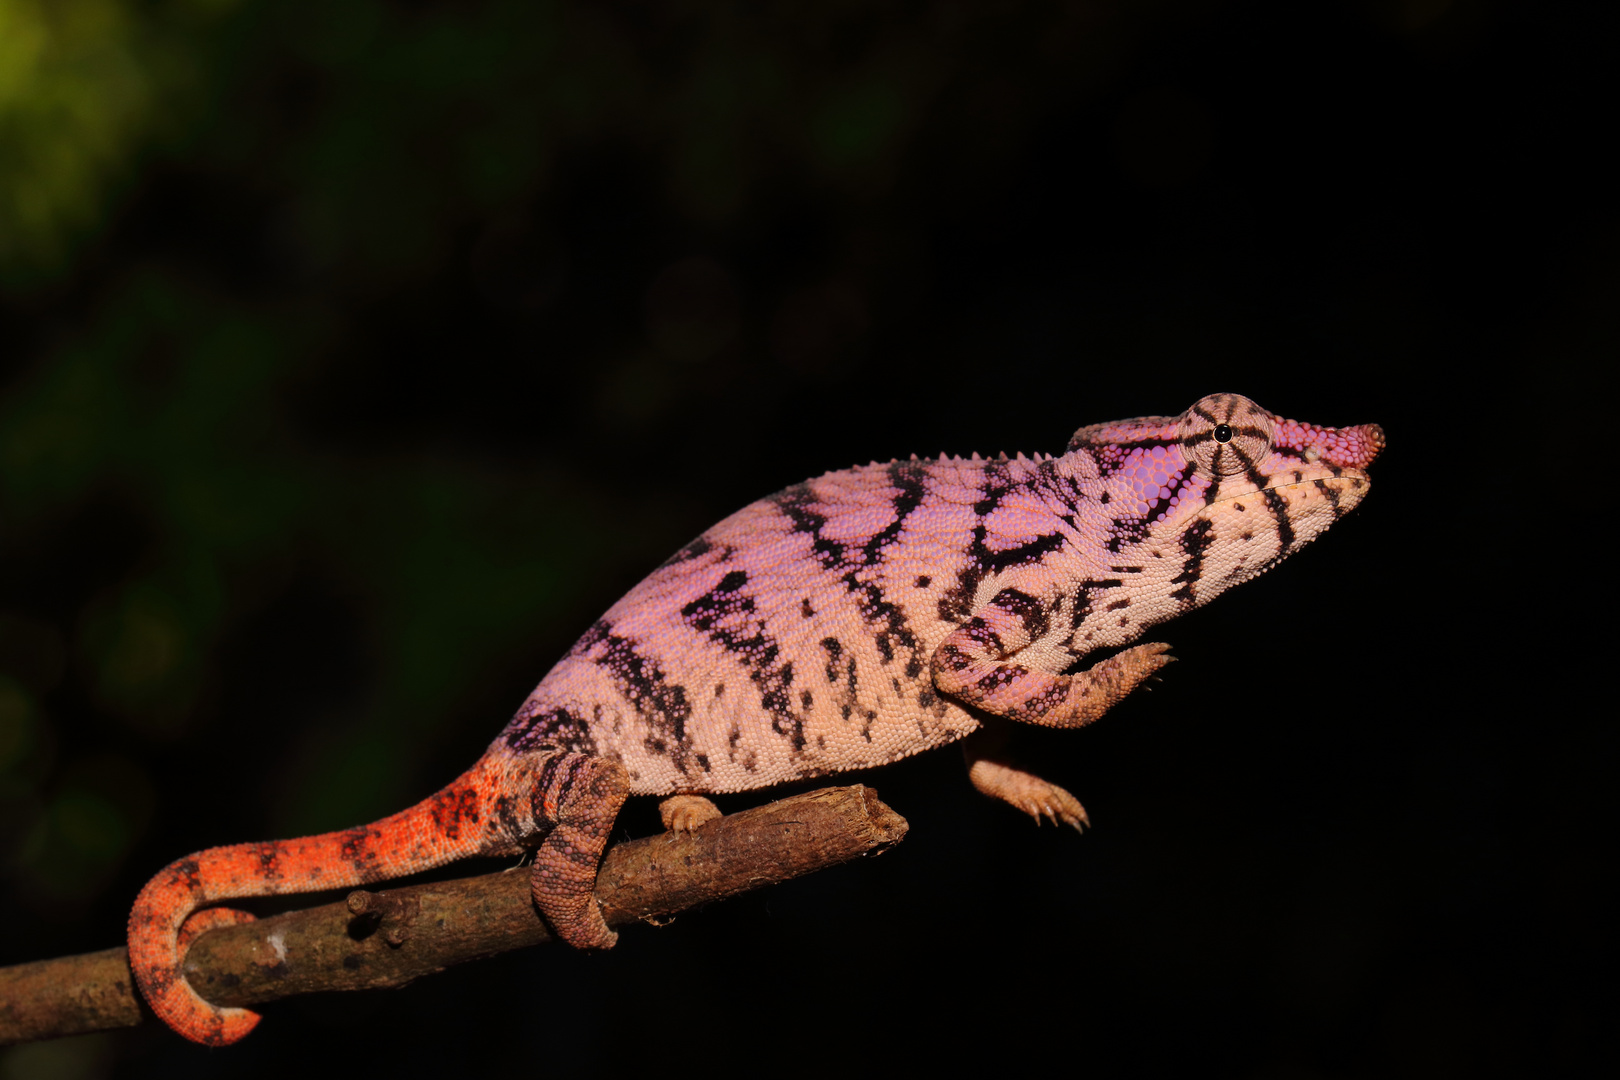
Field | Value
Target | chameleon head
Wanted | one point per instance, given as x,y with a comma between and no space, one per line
1227,490
1267,487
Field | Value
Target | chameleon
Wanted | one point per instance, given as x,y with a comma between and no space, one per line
846,622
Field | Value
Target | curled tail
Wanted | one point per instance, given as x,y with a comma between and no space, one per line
450,825
561,802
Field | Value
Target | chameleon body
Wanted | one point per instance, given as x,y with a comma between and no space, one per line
845,622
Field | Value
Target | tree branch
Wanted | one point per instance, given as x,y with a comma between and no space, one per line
381,939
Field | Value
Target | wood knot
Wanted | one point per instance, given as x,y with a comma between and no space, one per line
388,913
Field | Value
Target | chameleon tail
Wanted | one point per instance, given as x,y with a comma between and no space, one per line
450,825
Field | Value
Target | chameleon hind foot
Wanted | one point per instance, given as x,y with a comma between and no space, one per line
587,794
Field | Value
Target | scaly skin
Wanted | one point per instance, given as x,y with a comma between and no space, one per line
846,622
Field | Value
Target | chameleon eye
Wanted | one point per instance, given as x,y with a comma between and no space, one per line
1224,435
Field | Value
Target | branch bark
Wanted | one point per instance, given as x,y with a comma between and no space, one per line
389,938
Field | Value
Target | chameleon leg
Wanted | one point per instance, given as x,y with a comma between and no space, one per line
978,664
683,813
581,794
990,770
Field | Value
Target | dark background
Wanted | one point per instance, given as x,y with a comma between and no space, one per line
354,356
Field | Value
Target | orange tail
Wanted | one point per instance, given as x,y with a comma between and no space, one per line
451,825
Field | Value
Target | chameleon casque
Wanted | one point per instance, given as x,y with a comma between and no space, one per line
848,621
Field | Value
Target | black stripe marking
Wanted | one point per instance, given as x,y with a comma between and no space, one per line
1082,600
663,705
1285,528
1126,530
696,549
1198,437
554,726
726,615
802,509
1250,469
835,649
908,478
1026,609
1332,495
892,628
1194,542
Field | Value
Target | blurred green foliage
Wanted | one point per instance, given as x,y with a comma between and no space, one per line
84,84
412,113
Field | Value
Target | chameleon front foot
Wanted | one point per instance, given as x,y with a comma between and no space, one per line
982,663
990,770
686,813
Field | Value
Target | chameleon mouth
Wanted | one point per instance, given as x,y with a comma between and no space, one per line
1339,486
1299,508
1239,537
1339,479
